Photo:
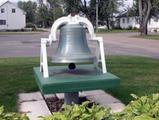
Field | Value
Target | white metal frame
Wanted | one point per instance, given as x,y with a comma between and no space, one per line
52,38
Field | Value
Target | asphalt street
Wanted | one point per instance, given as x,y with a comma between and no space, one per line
28,45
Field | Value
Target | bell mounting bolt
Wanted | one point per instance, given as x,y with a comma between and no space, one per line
72,66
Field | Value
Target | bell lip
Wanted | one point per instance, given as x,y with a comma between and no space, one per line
82,60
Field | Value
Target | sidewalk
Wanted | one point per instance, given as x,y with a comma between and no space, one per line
34,105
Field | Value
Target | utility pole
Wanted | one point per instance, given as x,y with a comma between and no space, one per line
54,11
96,15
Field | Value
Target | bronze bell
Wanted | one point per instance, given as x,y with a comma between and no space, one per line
72,46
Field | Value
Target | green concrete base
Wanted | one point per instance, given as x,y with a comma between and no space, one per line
85,77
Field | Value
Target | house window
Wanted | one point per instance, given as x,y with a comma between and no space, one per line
2,10
13,10
123,20
128,20
2,22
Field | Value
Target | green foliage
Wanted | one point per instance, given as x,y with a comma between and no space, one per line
71,5
30,10
31,25
142,108
46,16
55,3
107,9
54,14
80,112
11,116
42,15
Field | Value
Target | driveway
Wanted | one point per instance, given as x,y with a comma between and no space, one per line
28,45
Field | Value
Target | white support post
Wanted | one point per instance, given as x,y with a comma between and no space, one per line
97,52
101,56
43,58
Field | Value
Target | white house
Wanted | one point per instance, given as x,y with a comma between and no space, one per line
133,22
11,17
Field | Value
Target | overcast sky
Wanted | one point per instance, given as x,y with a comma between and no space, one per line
127,2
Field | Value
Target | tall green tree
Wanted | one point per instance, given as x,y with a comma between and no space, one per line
107,9
54,14
55,9
70,5
146,9
30,9
76,5
54,3
42,16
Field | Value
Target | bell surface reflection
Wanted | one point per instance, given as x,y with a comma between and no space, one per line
72,46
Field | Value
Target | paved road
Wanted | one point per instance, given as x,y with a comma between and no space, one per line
116,44
126,44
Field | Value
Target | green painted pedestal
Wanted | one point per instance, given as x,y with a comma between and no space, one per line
63,80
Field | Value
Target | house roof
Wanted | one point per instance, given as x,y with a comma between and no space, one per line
12,4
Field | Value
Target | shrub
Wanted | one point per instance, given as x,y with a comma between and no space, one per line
129,28
142,108
31,25
81,112
11,116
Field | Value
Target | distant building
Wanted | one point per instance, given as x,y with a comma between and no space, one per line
133,22
11,17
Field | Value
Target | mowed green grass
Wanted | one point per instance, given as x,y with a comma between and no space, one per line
138,75
115,31
16,76
149,37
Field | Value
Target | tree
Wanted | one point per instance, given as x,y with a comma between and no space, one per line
30,9
55,10
54,13
155,9
70,5
54,3
146,9
107,9
42,16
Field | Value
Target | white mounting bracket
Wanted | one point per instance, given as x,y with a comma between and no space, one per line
52,38
43,58
100,53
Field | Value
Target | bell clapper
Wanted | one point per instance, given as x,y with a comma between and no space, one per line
72,66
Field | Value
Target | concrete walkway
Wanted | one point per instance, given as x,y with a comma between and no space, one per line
34,105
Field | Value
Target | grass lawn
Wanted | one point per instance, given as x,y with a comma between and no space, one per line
115,31
16,76
150,37
138,75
